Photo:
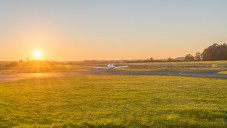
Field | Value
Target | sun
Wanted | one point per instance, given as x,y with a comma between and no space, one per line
37,54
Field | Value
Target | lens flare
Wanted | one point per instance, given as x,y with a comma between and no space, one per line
37,54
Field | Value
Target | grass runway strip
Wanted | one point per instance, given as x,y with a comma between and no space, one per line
114,101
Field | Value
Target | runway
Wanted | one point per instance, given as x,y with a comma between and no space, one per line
200,74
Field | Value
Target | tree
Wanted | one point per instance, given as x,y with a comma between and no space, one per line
215,52
21,61
27,59
189,57
151,59
170,59
198,56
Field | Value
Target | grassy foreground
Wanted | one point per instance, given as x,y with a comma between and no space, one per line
114,101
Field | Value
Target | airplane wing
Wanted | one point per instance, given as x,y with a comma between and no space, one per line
121,67
101,67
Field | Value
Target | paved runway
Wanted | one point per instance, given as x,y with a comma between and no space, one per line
202,74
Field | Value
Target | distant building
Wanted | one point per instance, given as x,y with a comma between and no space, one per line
180,58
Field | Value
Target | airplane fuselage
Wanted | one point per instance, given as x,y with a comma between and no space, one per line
111,66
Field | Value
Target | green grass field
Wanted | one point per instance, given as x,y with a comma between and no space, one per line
41,68
176,66
114,101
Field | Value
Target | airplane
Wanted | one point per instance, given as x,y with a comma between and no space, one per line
111,67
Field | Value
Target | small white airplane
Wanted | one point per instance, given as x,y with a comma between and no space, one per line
111,67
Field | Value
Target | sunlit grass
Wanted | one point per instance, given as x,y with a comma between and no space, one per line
224,62
168,69
114,101
176,66
42,68
222,72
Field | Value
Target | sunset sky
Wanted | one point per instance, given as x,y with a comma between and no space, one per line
109,29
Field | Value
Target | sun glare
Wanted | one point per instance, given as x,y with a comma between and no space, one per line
37,54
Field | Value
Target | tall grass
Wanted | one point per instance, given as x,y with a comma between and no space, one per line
114,101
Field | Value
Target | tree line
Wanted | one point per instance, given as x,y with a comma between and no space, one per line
213,52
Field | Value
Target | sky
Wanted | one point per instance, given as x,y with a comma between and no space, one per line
109,29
